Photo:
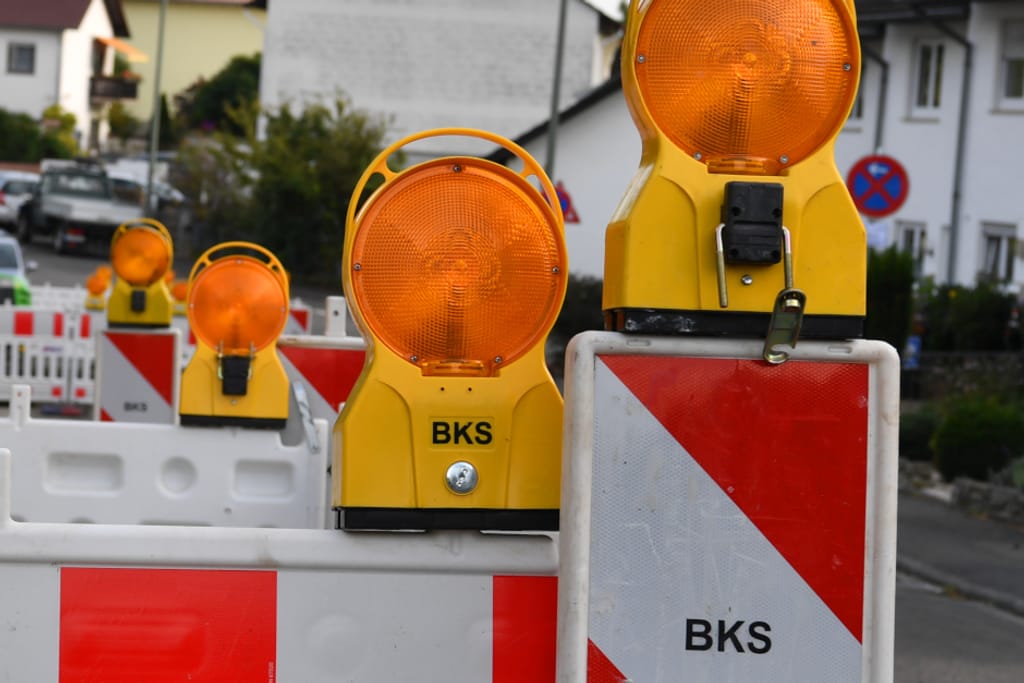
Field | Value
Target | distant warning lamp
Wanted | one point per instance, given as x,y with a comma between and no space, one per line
140,254
738,222
237,308
455,270
96,286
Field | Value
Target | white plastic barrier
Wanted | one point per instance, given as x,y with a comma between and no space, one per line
58,298
119,603
134,473
33,351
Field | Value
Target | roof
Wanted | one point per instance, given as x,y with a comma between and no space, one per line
58,15
613,86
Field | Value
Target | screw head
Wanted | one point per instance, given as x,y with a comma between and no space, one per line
461,477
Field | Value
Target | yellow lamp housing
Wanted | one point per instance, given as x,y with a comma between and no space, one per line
141,253
237,308
455,270
737,221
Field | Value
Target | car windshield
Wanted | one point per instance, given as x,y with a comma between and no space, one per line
79,184
8,257
19,186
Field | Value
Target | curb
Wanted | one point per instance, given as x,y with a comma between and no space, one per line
921,570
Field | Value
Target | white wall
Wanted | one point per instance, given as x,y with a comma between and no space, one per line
430,63
597,153
994,143
76,66
30,93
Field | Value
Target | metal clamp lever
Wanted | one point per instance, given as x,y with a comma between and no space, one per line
784,328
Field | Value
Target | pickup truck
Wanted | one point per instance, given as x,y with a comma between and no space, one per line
74,206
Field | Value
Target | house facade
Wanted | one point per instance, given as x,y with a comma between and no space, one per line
942,92
200,38
424,64
62,52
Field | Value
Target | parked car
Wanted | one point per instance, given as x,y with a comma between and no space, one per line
16,188
14,286
74,206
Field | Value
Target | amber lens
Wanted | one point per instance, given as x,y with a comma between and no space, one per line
104,273
96,284
179,290
140,256
748,85
237,304
458,261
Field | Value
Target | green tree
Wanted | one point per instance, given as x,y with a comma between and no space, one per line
122,124
288,190
235,86
19,137
58,139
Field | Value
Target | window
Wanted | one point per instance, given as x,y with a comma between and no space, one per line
912,240
1011,91
998,252
21,58
927,94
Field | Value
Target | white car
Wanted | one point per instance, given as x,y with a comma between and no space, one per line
16,187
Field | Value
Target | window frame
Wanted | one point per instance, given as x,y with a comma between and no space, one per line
1011,65
998,255
13,64
929,61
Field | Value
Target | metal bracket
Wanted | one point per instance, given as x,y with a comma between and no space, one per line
306,414
784,328
787,263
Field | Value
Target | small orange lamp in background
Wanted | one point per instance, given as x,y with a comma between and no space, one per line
141,254
455,270
237,308
179,293
96,286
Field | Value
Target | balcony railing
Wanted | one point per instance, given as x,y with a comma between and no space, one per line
112,88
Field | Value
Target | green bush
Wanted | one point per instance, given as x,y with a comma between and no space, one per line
917,428
890,297
965,319
978,436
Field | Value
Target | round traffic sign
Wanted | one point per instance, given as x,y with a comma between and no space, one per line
878,185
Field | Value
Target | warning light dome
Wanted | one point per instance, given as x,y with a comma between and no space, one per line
141,253
458,265
237,298
745,86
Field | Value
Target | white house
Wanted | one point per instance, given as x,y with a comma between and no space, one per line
956,124
426,64
62,52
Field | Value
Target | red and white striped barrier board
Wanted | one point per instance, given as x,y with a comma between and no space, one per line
133,473
327,367
33,351
138,376
121,603
726,517
300,318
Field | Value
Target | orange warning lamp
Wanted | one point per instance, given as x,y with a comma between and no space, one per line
140,253
179,293
737,201
237,308
96,286
455,270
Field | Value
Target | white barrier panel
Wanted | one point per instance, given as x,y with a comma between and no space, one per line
82,471
33,351
326,367
58,298
133,603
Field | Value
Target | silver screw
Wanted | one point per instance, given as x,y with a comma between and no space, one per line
497,359
640,59
747,280
357,266
698,156
457,168
556,270
414,358
461,477
847,66
784,159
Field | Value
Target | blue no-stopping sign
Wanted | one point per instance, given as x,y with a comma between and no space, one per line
878,185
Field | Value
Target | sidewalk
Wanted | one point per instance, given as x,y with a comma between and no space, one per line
982,559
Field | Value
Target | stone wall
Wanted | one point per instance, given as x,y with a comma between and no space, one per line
992,500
